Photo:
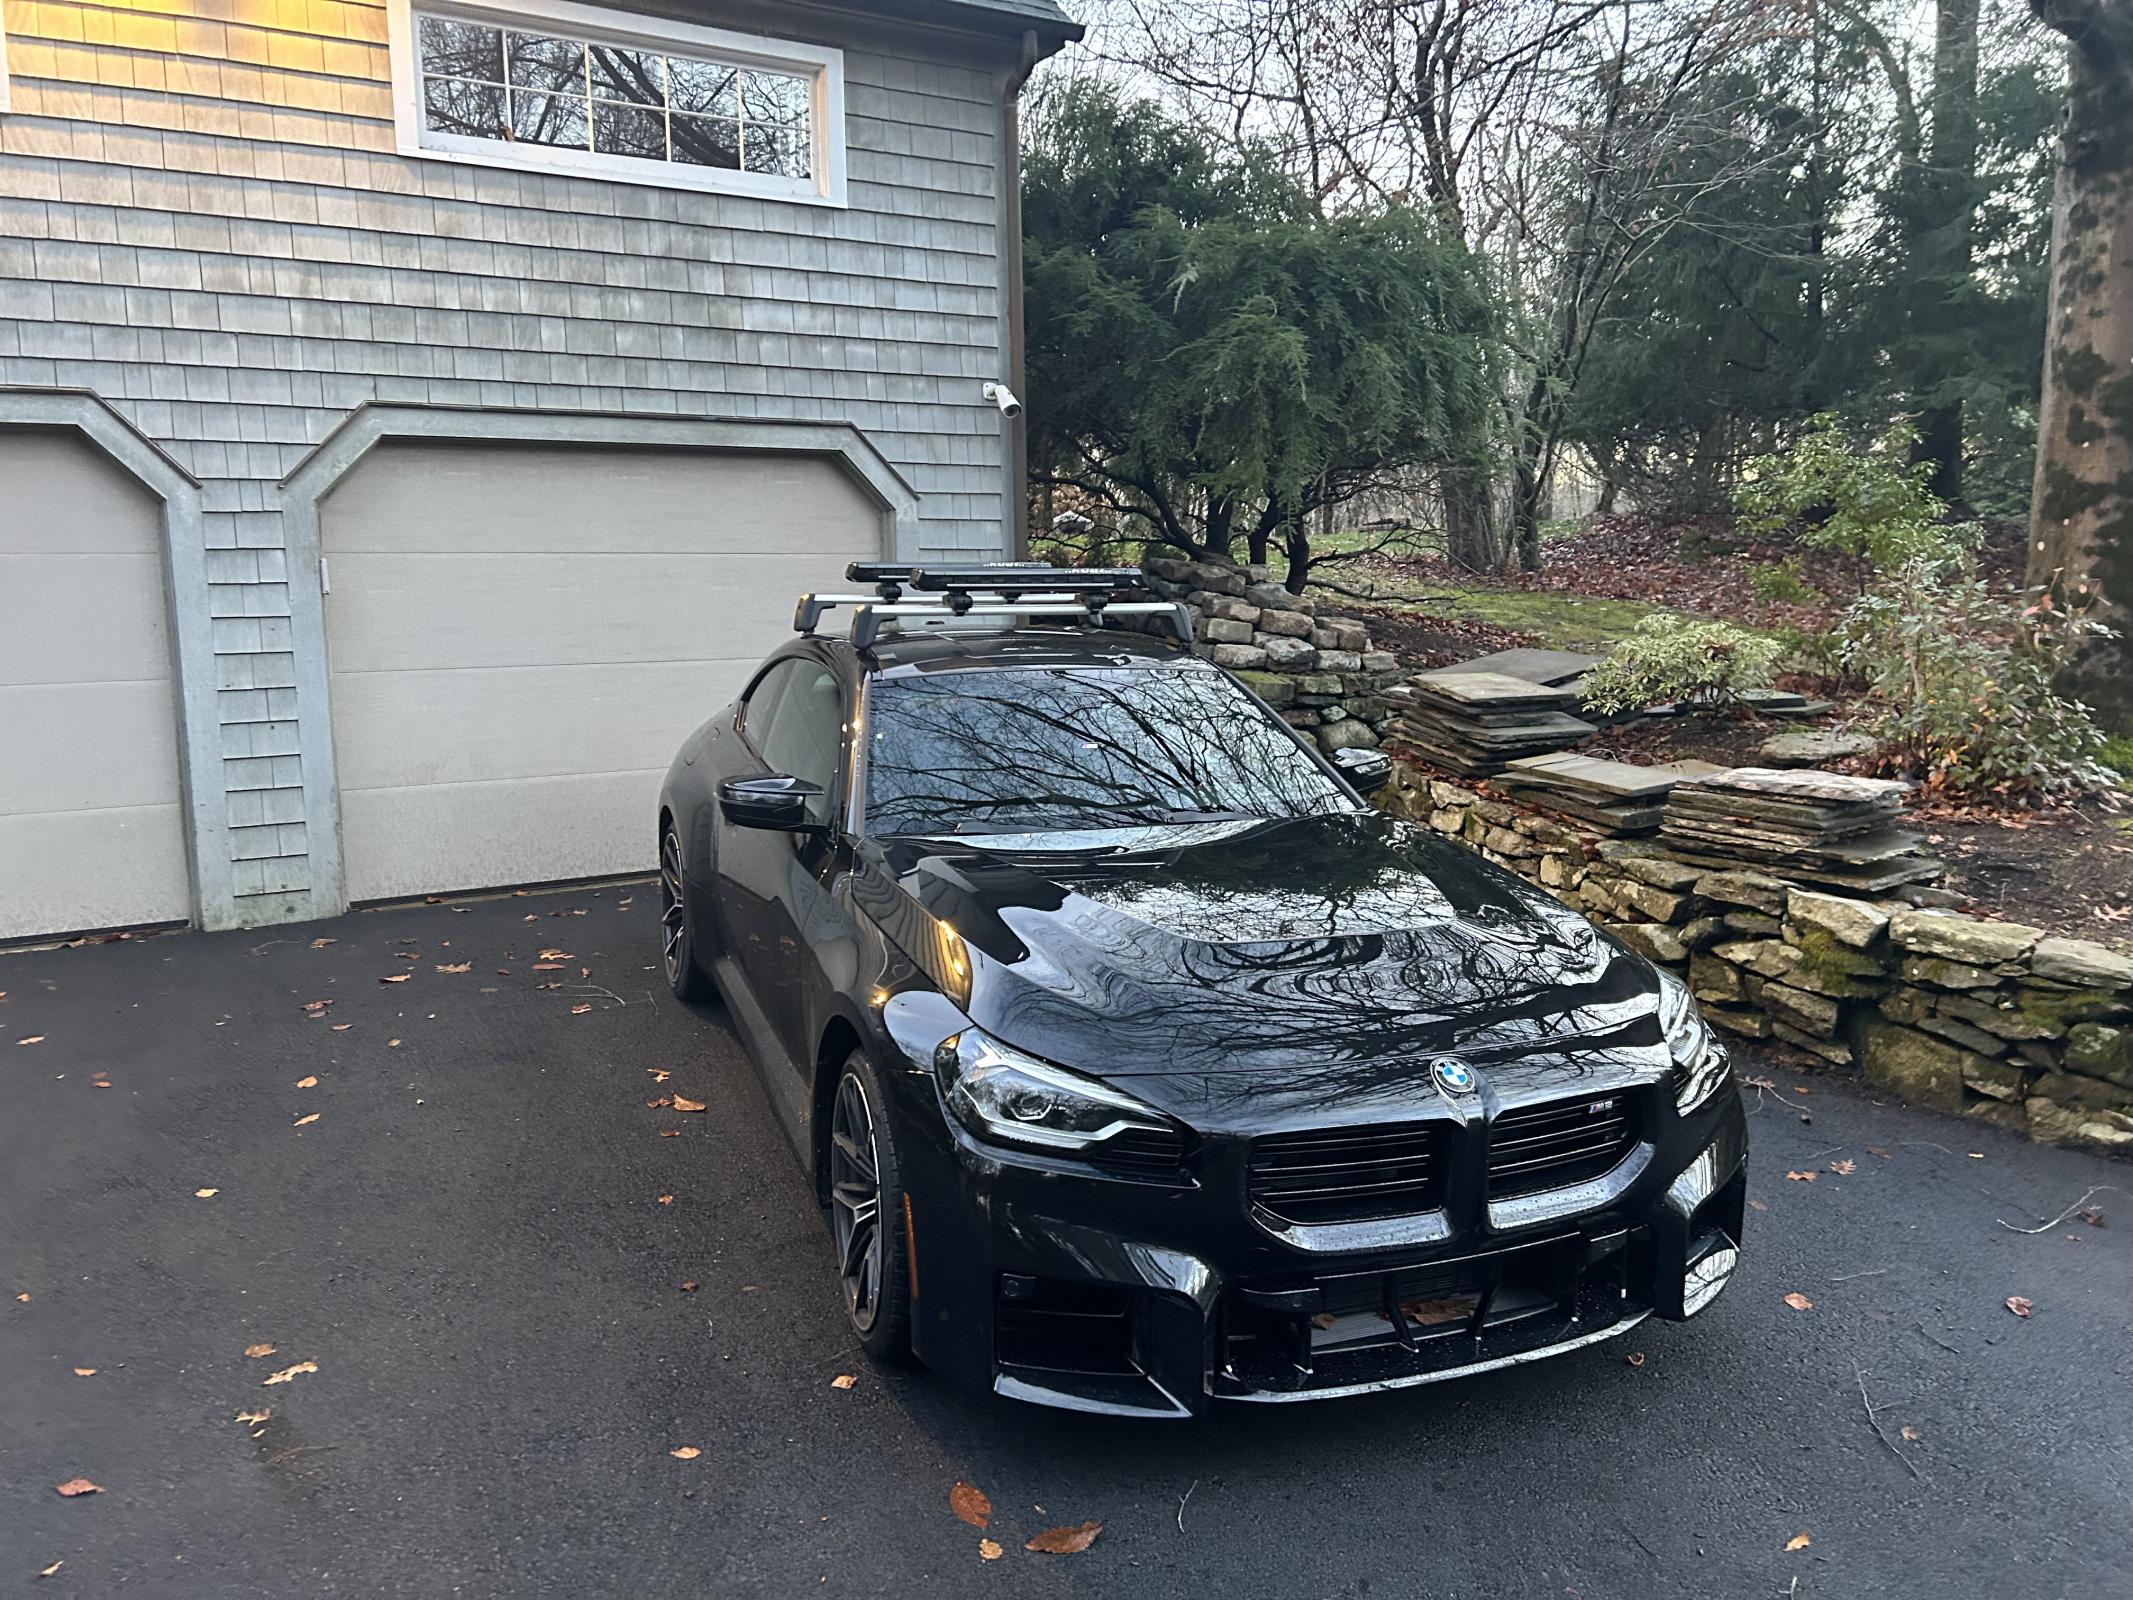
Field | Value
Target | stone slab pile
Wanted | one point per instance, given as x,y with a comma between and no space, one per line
1477,723
1613,798
1822,828
1322,677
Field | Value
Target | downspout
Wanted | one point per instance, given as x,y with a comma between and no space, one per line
1016,433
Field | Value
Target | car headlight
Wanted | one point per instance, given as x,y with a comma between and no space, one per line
1000,1093
1700,1063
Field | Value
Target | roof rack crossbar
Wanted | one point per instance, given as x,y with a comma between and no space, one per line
869,615
989,589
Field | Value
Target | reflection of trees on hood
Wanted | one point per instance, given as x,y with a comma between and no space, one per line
1053,747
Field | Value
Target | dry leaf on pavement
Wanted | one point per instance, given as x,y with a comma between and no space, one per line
660,1104
659,1075
1801,1177
1798,1541
85,1372
1635,1358
1876,1150
670,1133
690,1287
78,1486
579,1011
342,1027
1845,1168
255,1351
969,1504
205,1194
2020,1305
35,1038
546,966
288,1373
687,1452
1065,1541
989,1550
304,1122
557,955
1799,1302
1908,1433
310,1082
458,966
320,944
54,1567
666,1199
396,977
682,1103
25,1299
843,1380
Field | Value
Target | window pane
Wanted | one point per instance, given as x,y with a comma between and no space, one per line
547,119
452,105
707,142
704,86
538,63
773,97
629,131
637,76
782,152
462,49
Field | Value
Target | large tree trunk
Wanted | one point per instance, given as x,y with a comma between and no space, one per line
1944,250
1470,536
2081,520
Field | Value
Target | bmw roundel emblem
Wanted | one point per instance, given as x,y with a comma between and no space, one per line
1453,1075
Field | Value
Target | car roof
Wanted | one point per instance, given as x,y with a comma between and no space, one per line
960,651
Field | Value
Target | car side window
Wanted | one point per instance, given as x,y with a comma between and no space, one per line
804,734
761,702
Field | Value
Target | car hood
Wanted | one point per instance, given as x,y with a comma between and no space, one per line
1274,970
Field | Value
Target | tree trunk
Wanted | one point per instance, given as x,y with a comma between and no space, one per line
1470,520
1944,248
2081,517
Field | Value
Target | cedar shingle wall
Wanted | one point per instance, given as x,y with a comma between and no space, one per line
203,219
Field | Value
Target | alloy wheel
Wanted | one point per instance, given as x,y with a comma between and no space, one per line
855,1201
673,911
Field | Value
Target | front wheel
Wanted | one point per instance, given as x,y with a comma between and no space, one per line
677,947
867,1213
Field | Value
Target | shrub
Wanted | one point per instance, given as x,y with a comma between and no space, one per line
1702,664
1871,502
1780,581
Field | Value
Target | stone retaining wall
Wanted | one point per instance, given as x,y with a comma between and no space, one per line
1985,1019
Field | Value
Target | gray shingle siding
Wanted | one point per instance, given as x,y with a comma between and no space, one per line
204,220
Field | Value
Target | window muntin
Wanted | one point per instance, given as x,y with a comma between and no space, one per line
526,85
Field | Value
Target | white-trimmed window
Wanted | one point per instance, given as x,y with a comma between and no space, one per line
562,87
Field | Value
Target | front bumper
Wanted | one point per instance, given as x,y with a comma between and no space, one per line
1046,1283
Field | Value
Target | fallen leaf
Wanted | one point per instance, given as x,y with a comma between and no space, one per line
1799,1302
310,1082
79,1486
54,1567
683,1104
287,1374
316,1006
250,1418
658,1076
25,1299
320,944
660,1104
396,977
407,955
666,1199
547,966
843,1380
2093,1216
255,1351
1757,1205
670,1133
556,955
1324,1319
302,1122
35,1038
342,1027
1908,1434
690,1287
989,1550
1635,1358
579,1011
969,1504
1801,1177
1434,1313
458,966
1798,1541
1844,1169
205,1194
1065,1541
687,1452
85,1372
2020,1305
1876,1150
1801,1088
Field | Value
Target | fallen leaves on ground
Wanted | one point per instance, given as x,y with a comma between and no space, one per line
670,1133
1799,1302
85,1372
687,1452
35,1038
970,1505
54,1567
78,1486
683,1103
690,1287
1065,1541
547,966
457,966
660,1104
317,1008
289,1374
253,1418
396,977
342,1027
306,1121
320,944
659,1074
579,1011
256,1351
1909,1434
1798,1541
1844,1169
1801,1177
1876,1150
843,1380
989,1550
2093,1216
1635,1358
205,1194
309,1082
1757,1205
557,955
666,1199
2020,1305
25,1299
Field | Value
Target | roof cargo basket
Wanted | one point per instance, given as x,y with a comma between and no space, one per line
916,595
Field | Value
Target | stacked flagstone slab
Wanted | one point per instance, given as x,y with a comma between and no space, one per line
1984,1019
1820,827
1477,723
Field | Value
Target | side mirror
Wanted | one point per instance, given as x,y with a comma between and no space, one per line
777,803
1366,769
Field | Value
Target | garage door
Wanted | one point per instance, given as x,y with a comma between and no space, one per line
520,637
91,831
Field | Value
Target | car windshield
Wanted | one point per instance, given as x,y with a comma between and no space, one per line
1044,749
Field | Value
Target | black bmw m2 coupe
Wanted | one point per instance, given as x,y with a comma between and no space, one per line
1138,1061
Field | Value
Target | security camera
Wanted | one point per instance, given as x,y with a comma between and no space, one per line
1003,397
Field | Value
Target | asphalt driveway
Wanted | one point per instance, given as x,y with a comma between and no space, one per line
464,1223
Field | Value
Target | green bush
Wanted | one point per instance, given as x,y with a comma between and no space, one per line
1780,580
1701,664
1868,502
2117,754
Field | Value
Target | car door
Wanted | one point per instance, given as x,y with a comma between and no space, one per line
775,892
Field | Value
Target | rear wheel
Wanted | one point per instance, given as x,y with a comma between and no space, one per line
867,1213
677,948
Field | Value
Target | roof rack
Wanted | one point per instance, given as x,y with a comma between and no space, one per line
943,593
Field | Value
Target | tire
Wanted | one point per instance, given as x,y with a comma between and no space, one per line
865,1184
677,943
